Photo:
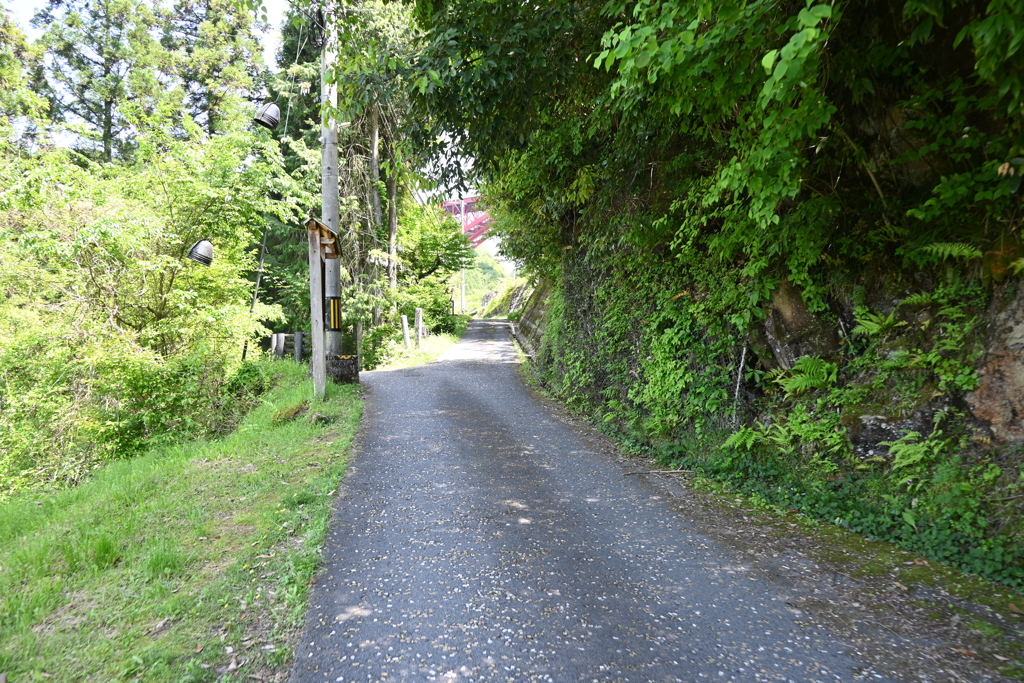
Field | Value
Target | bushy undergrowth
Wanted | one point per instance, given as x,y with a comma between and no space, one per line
114,340
61,420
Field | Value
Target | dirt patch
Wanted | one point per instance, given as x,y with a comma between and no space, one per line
68,617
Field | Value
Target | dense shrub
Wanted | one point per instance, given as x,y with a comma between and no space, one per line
112,338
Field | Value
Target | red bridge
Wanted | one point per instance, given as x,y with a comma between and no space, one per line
475,223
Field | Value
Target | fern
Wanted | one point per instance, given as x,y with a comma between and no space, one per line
873,324
1017,266
744,440
953,250
911,450
809,372
919,299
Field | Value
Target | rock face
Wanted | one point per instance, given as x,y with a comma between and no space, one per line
999,399
792,331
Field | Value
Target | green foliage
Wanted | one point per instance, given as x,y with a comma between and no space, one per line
809,372
874,324
911,450
509,300
487,275
114,339
433,295
16,99
953,250
216,58
611,306
380,344
101,56
430,244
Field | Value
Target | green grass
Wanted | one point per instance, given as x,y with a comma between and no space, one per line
499,305
176,564
431,348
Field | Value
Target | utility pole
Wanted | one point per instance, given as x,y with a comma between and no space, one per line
318,288
340,368
329,185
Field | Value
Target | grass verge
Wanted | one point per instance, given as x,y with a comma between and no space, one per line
190,563
430,349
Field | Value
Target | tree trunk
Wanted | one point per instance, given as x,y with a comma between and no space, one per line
375,196
108,130
375,164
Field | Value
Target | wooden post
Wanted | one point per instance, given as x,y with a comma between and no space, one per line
279,347
419,326
316,315
298,347
405,331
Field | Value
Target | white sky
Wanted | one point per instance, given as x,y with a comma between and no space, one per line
22,10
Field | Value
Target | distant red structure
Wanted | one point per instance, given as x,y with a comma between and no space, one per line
475,223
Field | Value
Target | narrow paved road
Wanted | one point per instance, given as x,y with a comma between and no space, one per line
478,538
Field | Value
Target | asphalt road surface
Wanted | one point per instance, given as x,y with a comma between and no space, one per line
478,537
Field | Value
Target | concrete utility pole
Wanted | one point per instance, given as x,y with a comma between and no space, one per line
340,368
329,180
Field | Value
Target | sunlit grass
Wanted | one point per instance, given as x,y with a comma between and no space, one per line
181,563
431,348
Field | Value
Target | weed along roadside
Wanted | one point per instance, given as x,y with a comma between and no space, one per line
187,563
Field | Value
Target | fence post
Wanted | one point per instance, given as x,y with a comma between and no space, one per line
298,347
419,326
405,330
280,345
